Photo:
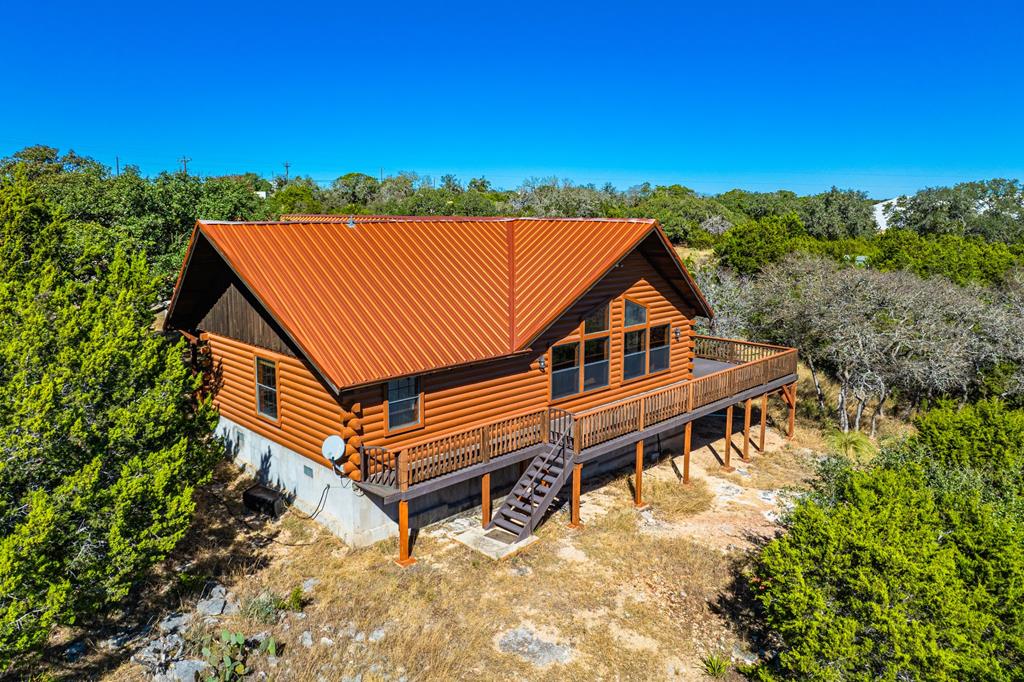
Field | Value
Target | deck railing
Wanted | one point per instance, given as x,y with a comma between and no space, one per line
431,458
761,363
752,365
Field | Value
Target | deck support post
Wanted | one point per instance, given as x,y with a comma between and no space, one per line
764,422
574,507
791,400
638,500
404,558
485,499
687,433
727,457
746,429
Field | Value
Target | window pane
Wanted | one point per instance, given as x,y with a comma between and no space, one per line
403,412
633,365
595,350
266,402
635,314
659,358
401,389
597,322
266,373
565,382
659,336
595,363
403,402
266,388
595,375
565,356
635,342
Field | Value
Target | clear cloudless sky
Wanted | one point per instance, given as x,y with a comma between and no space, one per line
882,96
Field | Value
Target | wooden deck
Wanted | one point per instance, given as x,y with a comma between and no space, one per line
726,372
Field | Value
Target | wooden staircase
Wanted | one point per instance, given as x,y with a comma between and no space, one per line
536,489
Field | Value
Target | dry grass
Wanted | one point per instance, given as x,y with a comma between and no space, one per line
624,601
673,500
631,597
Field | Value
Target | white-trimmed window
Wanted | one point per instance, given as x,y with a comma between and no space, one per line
404,405
266,388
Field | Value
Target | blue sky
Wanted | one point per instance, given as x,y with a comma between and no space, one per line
884,97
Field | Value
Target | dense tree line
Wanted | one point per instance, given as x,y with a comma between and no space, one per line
103,439
969,233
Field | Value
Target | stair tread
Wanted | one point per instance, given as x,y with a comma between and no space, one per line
508,525
514,515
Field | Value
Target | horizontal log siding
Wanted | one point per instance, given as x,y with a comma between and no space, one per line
306,411
459,399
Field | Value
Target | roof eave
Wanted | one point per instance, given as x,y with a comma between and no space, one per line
321,374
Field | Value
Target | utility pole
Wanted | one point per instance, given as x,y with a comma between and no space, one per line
286,167
382,174
117,165
184,164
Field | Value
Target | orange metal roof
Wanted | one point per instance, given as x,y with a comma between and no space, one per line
397,295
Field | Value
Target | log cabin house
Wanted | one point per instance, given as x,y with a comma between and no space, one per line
456,356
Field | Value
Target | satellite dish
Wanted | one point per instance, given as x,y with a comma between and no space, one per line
333,448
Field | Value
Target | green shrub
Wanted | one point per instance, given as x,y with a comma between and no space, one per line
879,578
750,246
104,441
986,434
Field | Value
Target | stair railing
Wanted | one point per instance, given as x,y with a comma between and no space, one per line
561,446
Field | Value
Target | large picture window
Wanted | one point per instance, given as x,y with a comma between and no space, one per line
266,388
595,363
582,365
404,408
659,359
565,370
645,348
634,354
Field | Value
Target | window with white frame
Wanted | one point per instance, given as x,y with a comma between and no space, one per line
404,409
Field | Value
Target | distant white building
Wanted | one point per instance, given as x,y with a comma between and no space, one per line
880,210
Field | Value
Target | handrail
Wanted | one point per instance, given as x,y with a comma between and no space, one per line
431,457
627,415
743,342
560,444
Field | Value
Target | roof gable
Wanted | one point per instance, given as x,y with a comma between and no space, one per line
394,296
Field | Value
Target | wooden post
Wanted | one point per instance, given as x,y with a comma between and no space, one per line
686,451
746,430
764,422
485,443
638,500
485,499
728,440
792,411
404,558
574,509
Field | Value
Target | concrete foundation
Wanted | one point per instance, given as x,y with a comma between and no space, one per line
345,510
